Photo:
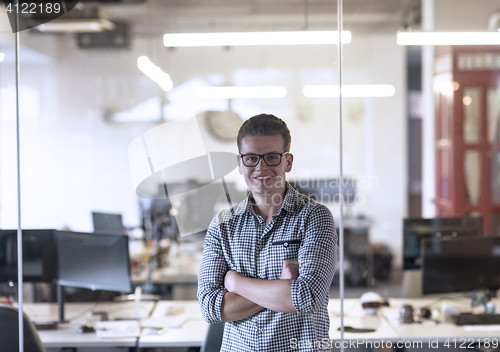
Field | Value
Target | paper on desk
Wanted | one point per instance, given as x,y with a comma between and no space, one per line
117,329
481,327
164,322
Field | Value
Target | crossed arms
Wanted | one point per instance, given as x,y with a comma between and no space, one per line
248,296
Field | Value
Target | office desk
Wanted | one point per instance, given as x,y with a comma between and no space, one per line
388,327
66,335
192,331
190,334
354,316
442,332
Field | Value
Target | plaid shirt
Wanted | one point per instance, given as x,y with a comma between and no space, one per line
239,240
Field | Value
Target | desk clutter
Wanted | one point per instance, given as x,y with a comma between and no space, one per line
165,324
117,329
116,320
160,324
452,311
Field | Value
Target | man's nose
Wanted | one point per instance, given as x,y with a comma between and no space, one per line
261,164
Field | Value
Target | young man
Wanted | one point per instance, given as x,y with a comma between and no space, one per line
269,261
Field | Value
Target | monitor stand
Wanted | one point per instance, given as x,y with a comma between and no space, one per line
60,303
412,284
53,325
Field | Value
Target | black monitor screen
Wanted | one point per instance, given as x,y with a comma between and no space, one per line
39,256
95,261
107,223
460,264
415,230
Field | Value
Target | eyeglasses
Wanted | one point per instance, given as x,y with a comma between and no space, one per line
271,159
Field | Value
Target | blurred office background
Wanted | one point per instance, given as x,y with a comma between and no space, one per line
85,103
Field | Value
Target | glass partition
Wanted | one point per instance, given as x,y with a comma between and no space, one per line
472,115
126,128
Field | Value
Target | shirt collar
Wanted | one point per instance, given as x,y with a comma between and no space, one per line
288,201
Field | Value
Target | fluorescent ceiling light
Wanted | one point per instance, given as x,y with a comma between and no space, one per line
77,25
448,38
2,56
365,90
241,92
255,38
155,73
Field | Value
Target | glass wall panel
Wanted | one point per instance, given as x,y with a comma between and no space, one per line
377,143
493,115
125,133
472,121
8,161
445,170
472,173
494,137
495,176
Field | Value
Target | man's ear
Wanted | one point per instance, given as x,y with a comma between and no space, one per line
240,167
289,162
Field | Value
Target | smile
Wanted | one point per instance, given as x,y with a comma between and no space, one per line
263,177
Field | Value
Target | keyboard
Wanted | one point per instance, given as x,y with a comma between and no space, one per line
477,319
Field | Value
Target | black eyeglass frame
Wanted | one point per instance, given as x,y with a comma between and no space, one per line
261,156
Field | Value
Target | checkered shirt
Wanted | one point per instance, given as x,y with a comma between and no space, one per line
239,240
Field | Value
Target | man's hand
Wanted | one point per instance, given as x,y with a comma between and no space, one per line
290,269
230,280
271,294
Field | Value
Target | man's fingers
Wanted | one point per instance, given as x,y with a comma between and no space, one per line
290,269
292,262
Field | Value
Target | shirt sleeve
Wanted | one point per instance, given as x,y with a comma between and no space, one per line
211,275
317,261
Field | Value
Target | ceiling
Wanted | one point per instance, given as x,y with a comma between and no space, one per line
154,17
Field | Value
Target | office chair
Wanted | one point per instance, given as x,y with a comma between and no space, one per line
213,340
9,333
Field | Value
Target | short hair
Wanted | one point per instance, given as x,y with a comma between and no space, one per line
265,125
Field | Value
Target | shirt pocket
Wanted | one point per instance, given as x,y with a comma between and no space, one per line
280,251
288,247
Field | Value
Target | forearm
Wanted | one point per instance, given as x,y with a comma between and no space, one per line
271,294
235,307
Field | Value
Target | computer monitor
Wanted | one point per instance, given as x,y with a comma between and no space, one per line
460,264
107,223
415,230
94,261
39,256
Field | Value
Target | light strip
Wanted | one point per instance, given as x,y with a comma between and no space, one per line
2,56
77,26
371,90
448,38
248,92
254,38
155,73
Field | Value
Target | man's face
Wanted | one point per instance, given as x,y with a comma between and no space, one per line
263,179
